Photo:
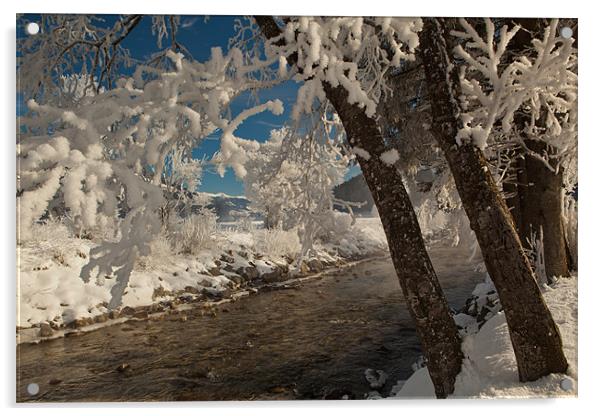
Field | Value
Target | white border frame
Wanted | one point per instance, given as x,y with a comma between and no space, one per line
589,161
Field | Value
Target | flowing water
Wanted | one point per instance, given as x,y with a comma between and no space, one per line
312,341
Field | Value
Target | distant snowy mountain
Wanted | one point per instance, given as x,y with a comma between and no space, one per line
229,207
226,207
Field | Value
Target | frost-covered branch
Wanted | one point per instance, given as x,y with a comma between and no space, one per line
69,45
539,83
291,178
353,52
108,156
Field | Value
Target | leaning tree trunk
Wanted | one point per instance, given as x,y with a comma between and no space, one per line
512,192
534,335
425,299
417,278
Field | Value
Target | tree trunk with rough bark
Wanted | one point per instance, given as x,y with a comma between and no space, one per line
539,192
541,201
534,335
424,296
512,192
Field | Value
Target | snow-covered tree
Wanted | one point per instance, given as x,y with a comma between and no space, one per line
291,178
353,52
112,148
88,47
69,45
535,337
542,84
519,89
405,120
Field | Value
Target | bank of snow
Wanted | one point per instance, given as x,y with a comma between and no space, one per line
50,290
489,369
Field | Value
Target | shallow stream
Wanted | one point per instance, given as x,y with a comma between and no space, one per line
312,341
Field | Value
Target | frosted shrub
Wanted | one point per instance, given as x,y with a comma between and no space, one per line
46,232
244,224
107,229
51,240
277,242
160,251
196,232
339,225
534,250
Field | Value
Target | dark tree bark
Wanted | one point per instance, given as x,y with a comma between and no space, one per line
424,296
512,192
417,278
534,335
539,198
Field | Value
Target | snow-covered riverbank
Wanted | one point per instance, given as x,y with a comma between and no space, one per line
52,295
489,369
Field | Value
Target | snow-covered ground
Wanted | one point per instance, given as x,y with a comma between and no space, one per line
489,369
50,288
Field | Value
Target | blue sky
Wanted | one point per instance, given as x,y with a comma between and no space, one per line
199,35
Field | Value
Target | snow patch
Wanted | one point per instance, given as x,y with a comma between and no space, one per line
390,157
489,367
360,152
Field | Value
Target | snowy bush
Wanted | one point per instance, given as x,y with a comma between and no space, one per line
291,178
49,231
161,249
276,242
439,210
105,230
243,222
195,233
534,250
338,225
52,242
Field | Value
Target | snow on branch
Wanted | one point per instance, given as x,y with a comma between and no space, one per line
72,45
540,82
234,150
106,157
353,52
291,176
